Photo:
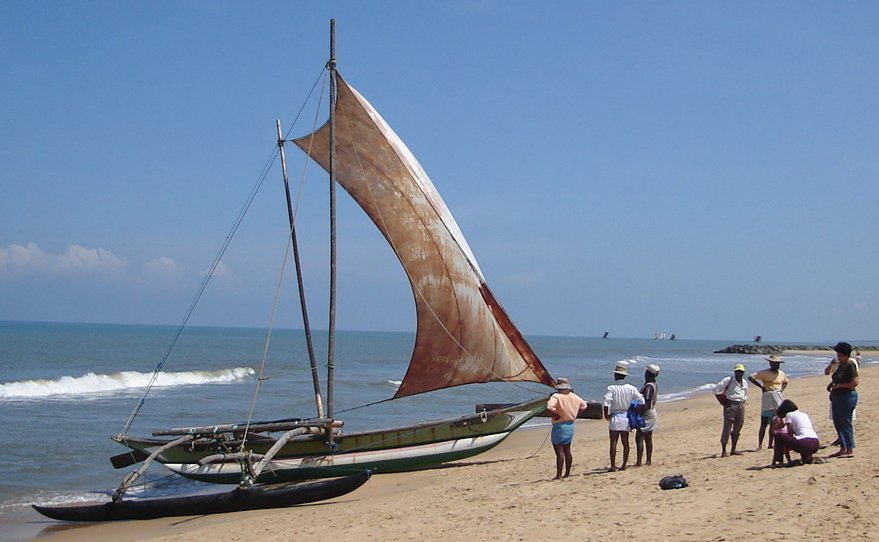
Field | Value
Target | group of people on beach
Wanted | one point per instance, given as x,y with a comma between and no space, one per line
732,393
789,428
625,407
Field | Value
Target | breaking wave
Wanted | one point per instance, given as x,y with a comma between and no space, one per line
91,383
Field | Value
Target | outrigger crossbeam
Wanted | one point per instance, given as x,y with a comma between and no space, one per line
260,427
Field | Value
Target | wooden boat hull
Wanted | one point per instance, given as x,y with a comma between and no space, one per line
393,450
256,498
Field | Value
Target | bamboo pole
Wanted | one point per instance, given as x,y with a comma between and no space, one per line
331,329
304,307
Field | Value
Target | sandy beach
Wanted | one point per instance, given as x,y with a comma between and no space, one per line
508,494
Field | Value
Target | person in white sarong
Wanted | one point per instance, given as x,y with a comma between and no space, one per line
616,405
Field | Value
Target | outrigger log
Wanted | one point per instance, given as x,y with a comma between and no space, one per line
246,496
241,498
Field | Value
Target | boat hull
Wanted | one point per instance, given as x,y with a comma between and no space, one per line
255,498
380,461
393,450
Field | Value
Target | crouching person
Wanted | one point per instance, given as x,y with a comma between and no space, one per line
797,434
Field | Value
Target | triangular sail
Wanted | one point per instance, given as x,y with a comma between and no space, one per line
463,334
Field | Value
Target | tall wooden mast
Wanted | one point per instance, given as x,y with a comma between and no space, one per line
331,328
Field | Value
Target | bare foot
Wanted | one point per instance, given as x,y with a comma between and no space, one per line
735,453
612,469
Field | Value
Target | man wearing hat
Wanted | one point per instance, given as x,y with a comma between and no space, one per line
644,435
772,381
732,393
564,405
616,404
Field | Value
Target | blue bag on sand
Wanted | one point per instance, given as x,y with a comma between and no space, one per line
675,481
636,420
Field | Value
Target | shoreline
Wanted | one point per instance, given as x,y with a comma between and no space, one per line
506,493
828,353
791,349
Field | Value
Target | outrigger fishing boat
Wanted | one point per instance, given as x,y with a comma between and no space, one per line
463,335
241,498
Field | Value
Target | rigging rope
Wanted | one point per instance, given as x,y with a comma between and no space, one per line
225,245
287,251
265,353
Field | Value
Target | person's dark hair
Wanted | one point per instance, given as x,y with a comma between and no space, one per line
617,377
786,407
843,348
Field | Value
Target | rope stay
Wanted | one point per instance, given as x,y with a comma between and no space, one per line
213,268
288,248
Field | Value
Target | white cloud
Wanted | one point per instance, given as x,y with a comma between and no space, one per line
162,266
220,271
18,259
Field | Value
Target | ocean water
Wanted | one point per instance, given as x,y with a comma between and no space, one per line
65,389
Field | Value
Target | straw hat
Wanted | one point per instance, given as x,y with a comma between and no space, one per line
774,359
562,384
653,368
621,369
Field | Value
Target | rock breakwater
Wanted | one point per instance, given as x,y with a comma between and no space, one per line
766,349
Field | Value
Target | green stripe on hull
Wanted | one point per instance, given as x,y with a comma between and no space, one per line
414,446
403,464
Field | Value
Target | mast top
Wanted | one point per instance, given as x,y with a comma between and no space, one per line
331,64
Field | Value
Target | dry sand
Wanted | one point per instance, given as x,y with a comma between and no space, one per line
507,494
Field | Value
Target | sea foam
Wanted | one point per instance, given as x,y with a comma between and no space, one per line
91,383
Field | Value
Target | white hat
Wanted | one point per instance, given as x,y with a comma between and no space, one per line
653,368
620,369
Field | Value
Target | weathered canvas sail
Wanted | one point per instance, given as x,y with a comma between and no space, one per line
463,334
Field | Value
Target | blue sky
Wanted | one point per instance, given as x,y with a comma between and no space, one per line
701,168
